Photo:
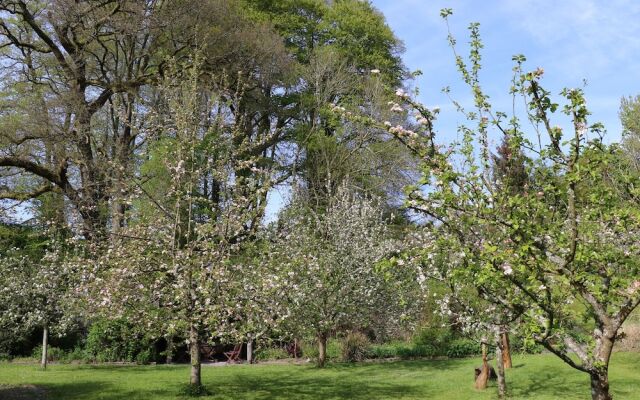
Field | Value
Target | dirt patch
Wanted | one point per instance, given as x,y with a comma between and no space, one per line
24,392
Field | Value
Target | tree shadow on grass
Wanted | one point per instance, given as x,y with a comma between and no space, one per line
25,392
129,368
305,386
293,385
93,390
551,383
407,365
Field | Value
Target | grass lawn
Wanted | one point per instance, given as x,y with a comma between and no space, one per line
533,377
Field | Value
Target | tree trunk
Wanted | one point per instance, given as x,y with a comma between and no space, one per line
483,379
322,349
249,350
169,350
502,385
506,350
194,350
600,385
45,347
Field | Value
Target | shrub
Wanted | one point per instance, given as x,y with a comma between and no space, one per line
145,357
77,354
460,348
519,345
116,341
53,353
271,353
334,349
435,337
310,349
383,351
415,351
402,350
355,347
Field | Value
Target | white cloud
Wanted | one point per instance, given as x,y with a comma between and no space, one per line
595,40
586,37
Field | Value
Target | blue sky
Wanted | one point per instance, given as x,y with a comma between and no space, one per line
573,40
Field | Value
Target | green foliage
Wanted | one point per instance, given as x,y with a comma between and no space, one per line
271,353
28,240
524,346
117,340
355,347
145,356
355,28
630,119
53,353
460,348
403,350
15,343
436,337
77,354
334,349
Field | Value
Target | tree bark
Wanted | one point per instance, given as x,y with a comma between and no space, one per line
600,385
169,350
600,372
506,350
45,347
502,385
194,350
322,349
249,350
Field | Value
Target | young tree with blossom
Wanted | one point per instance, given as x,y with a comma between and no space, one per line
328,259
177,267
564,249
37,293
476,310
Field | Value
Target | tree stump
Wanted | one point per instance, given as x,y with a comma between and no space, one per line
492,373
485,371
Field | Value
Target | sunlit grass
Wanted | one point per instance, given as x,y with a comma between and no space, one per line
537,377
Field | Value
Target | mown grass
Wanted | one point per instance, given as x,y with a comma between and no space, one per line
538,377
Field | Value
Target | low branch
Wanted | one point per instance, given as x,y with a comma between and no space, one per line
23,196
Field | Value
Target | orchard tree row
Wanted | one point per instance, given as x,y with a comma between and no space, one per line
142,144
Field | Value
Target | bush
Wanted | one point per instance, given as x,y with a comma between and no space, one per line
383,351
437,338
355,347
109,341
460,348
271,353
77,354
53,353
519,345
402,350
145,357
310,349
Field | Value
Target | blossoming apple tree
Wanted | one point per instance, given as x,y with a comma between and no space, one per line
177,266
37,293
565,249
329,261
